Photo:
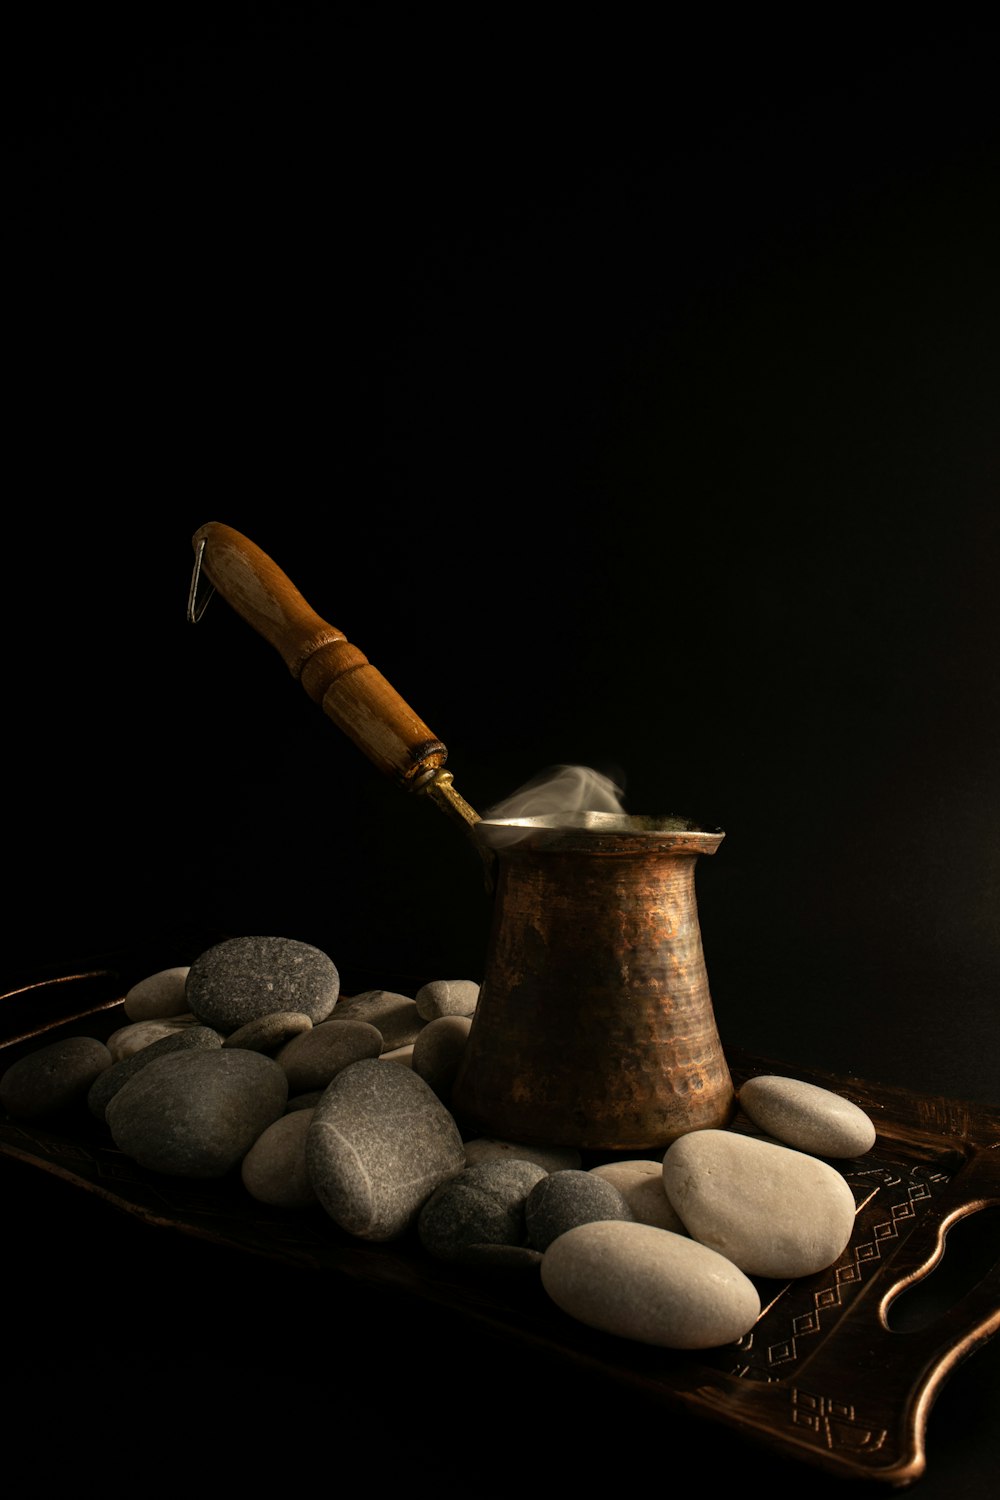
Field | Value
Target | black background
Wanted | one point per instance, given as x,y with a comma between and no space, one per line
627,394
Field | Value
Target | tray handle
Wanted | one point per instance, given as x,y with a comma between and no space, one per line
860,1403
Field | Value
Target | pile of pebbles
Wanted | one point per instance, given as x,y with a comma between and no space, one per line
249,1061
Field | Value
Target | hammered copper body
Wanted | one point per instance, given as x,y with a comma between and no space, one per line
595,1026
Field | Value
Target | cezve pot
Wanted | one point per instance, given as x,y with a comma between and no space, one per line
594,1027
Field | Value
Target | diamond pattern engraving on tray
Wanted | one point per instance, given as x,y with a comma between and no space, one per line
834,1423
795,1315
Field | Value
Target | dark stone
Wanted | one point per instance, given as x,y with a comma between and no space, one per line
312,1059
269,1033
379,1144
107,1084
242,979
395,1016
481,1206
53,1078
195,1113
564,1199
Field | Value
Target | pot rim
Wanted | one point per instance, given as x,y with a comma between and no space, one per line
599,831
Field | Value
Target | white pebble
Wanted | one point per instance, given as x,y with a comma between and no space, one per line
641,1185
158,995
274,1169
447,997
806,1116
138,1034
770,1210
402,1055
438,1052
650,1285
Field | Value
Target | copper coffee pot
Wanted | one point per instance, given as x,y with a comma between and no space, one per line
594,1026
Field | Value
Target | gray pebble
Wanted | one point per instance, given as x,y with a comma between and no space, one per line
647,1284
807,1117
197,1113
243,978
447,997
53,1078
313,1058
640,1183
132,1038
379,1144
158,995
770,1210
107,1084
562,1200
274,1169
552,1158
268,1033
482,1205
395,1016
438,1051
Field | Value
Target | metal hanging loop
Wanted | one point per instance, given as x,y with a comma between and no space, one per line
195,610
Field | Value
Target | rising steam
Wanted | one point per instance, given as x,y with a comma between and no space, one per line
567,797
561,792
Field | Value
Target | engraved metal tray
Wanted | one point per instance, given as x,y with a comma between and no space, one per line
823,1376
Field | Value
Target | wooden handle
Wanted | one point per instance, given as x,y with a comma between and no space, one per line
333,672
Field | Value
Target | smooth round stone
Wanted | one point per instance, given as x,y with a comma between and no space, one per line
274,1169
552,1158
107,1084
379,1144
770,1210
55,1077
395,1016
268,1033
311,1059
640,1183
438,1051
650,1285
447,997
807,1117
243,978
196,1114
562,1200
158,995
482,1205
128,1040
402,1055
